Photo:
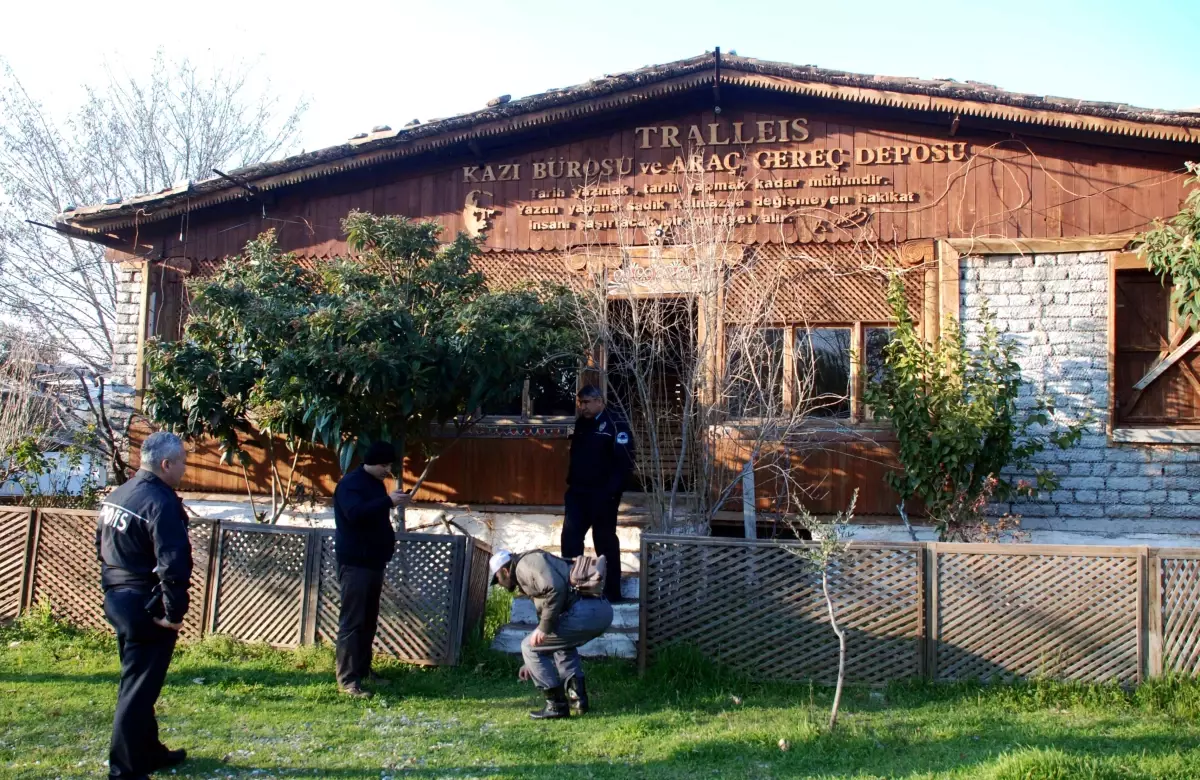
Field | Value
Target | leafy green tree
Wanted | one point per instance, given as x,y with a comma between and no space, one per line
961,428
399,342
1172,250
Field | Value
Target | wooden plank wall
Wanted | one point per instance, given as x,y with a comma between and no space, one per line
828,469
521,471
1009,187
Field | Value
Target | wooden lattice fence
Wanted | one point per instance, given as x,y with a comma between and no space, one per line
758,608
941,611
427,599
256,583
1175,628
15,525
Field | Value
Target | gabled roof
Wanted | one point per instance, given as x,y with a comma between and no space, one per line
503,116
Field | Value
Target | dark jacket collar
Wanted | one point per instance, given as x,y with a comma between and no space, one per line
150,478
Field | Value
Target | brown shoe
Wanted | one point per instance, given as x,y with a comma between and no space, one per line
354,690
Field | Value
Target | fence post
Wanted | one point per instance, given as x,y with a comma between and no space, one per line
32,531
1154,618
210,585
922,613
749,518
312,575
215,584
932,597
1142,602
457,599
643,573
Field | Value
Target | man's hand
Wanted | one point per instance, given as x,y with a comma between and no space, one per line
168,624
400,498
537,637
523,674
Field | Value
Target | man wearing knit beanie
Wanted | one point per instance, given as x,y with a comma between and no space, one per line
364,543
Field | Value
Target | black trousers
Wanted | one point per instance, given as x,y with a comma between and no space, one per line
145,649
599,513
357,623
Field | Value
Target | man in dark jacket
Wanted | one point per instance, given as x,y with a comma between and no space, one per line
566,621
145,569
601,460
365,542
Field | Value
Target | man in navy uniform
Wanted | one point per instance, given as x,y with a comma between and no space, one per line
601,461
145,569
364,542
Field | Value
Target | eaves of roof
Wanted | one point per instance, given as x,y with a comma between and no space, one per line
941,96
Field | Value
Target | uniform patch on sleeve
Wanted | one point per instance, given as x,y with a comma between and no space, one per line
622,438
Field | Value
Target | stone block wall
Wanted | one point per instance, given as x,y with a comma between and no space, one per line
129,304
1056,308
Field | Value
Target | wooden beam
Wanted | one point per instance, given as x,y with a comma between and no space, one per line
1167,362
1156,435
139,366
948,278
931,318
856,371
1111,422
1039,246
1130,261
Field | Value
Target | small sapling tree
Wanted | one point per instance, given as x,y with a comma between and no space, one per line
825,554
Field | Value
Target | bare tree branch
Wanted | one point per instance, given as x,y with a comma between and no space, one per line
133,134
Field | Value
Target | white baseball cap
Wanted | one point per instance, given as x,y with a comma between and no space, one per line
498,562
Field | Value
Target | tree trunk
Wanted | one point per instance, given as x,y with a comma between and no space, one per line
841,635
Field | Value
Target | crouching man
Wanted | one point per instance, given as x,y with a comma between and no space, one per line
566,620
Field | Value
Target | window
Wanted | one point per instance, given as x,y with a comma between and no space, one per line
874,358
548,393
1155,363
875,340
754,366
828,366
552,394
823,370
511,407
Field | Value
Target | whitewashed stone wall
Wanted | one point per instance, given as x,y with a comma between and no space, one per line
119,392
1056,308
124,360
517,531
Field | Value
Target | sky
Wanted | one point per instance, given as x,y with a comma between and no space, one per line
367,63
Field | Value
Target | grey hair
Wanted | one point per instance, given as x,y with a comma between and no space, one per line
161,446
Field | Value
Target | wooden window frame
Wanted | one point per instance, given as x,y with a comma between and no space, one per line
859,414
1116,433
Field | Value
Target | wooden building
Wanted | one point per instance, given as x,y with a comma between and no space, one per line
1026,201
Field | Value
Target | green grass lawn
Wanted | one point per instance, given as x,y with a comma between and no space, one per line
251,711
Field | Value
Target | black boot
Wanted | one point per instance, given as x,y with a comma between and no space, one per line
577,695
556,705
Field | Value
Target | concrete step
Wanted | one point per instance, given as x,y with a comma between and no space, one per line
525,614
618,643
638,503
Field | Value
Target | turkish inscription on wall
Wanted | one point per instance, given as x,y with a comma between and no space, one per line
751,173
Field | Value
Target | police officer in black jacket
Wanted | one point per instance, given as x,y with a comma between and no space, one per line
364,542
145,568
601,461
